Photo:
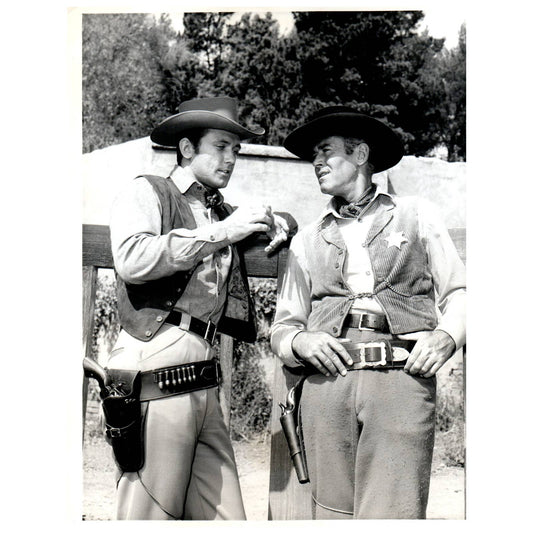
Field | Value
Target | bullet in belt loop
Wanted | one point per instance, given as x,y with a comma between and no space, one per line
160,380
173,373
178,371
167,381
193,374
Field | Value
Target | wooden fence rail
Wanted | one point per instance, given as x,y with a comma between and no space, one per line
288,499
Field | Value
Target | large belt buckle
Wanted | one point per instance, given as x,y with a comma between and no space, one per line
383,354
210,332
360,326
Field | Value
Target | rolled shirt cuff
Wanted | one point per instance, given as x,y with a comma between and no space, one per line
286,353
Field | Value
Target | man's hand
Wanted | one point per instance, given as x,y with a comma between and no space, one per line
323,351
246,220
431,351
278,234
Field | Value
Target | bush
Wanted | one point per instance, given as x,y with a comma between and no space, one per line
450,417
251,397
106,325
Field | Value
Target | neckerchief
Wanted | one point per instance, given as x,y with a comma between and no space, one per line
354,209
213,198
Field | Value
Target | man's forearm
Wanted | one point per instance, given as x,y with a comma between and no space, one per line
142,257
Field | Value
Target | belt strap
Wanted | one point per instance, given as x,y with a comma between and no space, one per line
179,379
206,330
377,354
367,321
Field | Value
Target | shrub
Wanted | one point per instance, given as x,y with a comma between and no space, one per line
106,325
251,397
450,417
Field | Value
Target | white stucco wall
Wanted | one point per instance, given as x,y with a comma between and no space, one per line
270,175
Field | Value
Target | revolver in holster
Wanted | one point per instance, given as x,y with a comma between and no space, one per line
292,431
120,393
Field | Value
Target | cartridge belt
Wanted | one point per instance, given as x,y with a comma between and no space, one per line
367,321
179,379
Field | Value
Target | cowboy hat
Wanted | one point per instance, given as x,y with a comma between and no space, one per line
385,146
218,113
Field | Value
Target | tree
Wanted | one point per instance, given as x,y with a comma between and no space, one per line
136,71
126,82
454,75
262,71
377,63
206,36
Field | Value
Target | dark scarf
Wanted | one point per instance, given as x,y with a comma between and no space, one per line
354,209
213,198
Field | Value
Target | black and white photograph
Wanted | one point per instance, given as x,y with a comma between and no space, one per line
239,243
274,265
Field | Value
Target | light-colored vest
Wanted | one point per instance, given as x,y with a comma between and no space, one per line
403,283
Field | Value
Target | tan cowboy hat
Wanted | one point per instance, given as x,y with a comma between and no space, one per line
386,148
218,113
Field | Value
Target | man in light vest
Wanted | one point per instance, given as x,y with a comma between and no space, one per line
372,305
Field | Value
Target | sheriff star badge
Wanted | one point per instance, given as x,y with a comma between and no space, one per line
396,238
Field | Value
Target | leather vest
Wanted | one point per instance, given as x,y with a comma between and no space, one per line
143,308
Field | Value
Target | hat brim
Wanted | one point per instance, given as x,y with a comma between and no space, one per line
168,132
386,148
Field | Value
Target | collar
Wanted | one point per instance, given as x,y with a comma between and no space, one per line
184,179
381,197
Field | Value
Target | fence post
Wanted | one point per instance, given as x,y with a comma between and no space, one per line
288,499
90,274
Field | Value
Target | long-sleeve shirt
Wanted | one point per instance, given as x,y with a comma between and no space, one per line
447,270
141,253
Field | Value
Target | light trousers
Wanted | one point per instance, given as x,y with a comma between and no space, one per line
189,471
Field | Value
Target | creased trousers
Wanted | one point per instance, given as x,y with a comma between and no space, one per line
189,471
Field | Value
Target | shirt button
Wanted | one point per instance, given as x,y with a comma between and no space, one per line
159,318
368,273
336,265
341,252
169,303
334,329
212,237
363,245
148,333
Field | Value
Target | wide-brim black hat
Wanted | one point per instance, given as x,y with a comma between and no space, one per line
217,113
386,148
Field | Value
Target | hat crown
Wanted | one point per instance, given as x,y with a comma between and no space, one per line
221,105
331,110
